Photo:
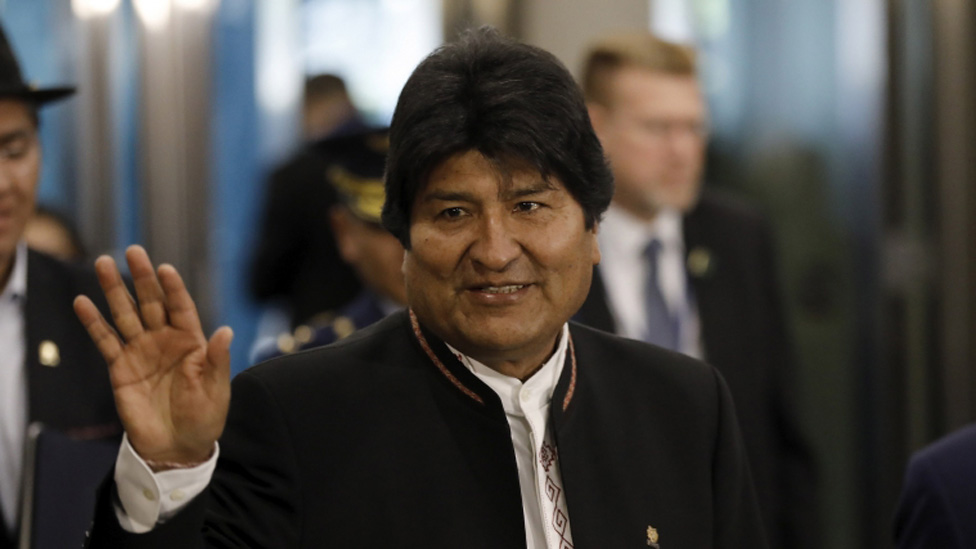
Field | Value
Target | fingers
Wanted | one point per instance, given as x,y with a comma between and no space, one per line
148,290
163,297
102,334
182,311
218,351
119,301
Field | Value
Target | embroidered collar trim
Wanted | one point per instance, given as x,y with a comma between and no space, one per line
418,333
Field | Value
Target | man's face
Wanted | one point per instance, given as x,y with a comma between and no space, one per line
653,131
376,254
20,164
497,264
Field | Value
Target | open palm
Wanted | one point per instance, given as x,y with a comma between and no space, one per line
171,385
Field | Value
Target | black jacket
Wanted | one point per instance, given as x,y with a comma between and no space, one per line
365,443
733,276
68,389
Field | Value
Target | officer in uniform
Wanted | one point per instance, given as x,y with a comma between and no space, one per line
373,253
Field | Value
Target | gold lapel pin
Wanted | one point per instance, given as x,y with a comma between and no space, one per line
48,353
700,262
652,537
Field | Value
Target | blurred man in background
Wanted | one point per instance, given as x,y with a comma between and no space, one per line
327,109
296,264
50,372
689,270
374,253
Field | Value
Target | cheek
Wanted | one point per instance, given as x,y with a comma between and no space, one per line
566,252
25,179
409,270
433,254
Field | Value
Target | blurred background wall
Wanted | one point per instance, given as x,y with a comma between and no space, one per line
850,121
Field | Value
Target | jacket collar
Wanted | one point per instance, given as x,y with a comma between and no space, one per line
469,385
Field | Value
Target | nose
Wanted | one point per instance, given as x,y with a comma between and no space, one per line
495,246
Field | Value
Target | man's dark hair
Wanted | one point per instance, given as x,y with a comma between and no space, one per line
515,104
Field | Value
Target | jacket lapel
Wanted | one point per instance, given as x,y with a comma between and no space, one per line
67,379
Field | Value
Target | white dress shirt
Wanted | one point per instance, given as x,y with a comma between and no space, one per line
13,385
148,498
526,407
623,267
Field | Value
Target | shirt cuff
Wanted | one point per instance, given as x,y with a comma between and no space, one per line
146,499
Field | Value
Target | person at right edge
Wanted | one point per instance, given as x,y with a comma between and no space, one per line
691,269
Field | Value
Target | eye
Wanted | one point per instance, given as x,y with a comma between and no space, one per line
15,148
656,128
527,206
452,213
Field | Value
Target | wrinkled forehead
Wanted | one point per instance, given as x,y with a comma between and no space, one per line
505,168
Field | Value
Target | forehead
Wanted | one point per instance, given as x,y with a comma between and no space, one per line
656,93
471,170
15,114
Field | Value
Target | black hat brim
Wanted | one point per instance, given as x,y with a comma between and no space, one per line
38,96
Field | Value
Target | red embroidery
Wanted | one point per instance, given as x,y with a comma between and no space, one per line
440,365
560,522
547,455
572,378
457,383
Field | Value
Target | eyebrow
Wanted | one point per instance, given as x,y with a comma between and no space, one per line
537,187
448,196
14,136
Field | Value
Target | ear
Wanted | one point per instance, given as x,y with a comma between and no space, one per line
598,117
342,232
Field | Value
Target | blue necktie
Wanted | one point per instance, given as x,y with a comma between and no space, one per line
662,328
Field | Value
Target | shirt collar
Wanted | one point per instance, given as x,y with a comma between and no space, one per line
628,236
17,284
515,394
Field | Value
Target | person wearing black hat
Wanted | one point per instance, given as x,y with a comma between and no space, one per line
375,255
50,371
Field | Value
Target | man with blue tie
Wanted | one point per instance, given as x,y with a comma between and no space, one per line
693,270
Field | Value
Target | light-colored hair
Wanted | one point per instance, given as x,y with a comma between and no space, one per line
632,49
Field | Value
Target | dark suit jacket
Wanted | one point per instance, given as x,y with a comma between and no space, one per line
75,395
938,501
365,443
744,336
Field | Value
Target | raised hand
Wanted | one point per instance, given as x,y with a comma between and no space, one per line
171,385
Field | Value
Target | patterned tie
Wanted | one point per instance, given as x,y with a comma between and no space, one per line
662,328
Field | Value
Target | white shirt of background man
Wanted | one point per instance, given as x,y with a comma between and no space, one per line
623,239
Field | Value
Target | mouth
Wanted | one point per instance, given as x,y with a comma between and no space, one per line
494,295
506,289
